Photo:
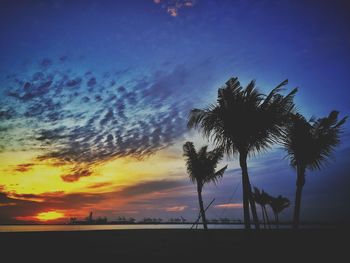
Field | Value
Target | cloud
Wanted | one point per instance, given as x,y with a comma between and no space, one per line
91,82
100,185
15,205
7,204
24,167
176,208
46,62
51,134
27,197
29,205
70,125
134,118
145,188
73,82
7,113
6,201
76,174
172,7
229,206
172,10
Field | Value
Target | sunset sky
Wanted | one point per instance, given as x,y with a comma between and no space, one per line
95,97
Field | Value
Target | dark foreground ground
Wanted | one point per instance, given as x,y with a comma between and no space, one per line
328,245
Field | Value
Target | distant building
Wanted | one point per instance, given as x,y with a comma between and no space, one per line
89,220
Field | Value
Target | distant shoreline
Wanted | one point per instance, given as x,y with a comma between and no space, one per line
172,223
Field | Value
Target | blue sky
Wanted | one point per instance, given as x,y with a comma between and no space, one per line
113,79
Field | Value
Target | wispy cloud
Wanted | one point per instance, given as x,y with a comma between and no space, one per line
176,208
76,174
172,7
229,206
24,167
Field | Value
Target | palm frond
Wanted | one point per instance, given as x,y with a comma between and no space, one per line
242,120
220,173
216,176
201,165
309,144
195,118
278,204
261,197
202,153
233,84
273,92
191,158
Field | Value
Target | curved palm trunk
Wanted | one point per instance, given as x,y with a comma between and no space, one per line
253,207
246,213
277,221
201,206
263,215
247,194
300,184
267,218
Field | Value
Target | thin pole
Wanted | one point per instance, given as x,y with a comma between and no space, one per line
199,217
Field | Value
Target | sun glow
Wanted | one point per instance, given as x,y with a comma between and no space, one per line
51,215
24,177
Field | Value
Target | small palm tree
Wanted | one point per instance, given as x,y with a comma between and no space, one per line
278,204
262,198
201,167
244,121
309,144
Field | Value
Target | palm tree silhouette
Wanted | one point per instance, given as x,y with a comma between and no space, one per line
262,198
308,145
278,204
201,168
246,122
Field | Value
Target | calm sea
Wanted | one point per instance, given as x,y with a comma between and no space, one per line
32,228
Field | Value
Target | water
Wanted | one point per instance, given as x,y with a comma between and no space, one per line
40,228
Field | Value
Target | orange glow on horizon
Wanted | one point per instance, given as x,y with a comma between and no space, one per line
111,189
51,215
44,177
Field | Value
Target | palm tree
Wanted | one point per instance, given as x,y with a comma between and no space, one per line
308,145
278,204
246,122
262,198
201,168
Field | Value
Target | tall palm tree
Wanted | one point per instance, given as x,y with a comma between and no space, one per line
262,198
244,121
278,204
308,145
201,167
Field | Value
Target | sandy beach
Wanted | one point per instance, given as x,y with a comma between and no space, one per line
175,245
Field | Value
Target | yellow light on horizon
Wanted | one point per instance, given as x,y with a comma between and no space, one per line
51,215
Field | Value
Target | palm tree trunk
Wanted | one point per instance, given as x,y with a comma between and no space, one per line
263,215
253,207
267,217
246,213
247,193
201,206
300,184
277,222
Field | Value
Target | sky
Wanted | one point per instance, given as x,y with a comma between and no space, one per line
95,95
